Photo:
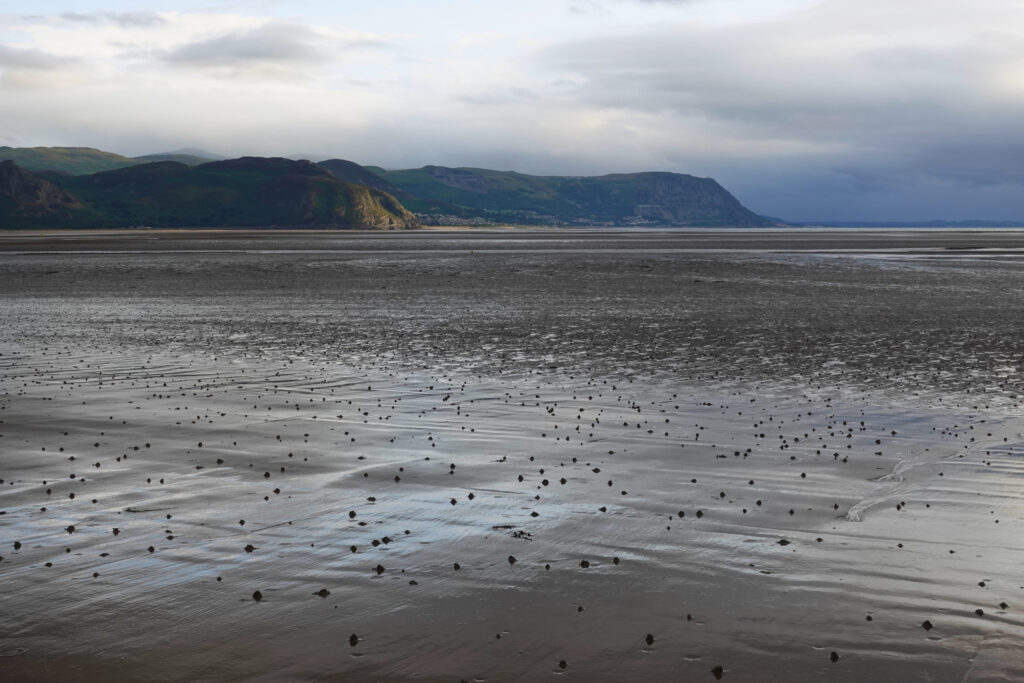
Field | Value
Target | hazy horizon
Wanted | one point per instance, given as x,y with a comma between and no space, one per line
809,110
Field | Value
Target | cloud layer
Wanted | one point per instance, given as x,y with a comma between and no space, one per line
816,109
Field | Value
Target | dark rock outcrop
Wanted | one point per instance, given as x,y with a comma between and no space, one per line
31,201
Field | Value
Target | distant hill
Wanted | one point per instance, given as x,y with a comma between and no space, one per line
74,160
187,159
437,194
201,153
86,160
246,192
351,172
440,194
28,201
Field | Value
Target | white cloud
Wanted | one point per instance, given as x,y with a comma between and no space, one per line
865,105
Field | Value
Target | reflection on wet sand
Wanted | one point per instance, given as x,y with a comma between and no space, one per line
509,466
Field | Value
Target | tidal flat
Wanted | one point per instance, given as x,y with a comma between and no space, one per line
520,455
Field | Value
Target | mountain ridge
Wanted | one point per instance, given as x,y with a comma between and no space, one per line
88,160
245,192
437,195
441,193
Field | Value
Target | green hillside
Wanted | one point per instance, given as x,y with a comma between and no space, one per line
619,199
351,172
247,192
437,194
74,160
84,160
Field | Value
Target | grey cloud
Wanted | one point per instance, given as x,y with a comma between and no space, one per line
498,97
121,18
922,110
280,44
31,59
587,7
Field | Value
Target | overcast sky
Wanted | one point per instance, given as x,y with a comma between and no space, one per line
804,109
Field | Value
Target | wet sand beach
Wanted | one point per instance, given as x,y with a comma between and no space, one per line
490,456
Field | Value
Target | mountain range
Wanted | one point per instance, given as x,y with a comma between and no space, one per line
81,187
84,160
246,192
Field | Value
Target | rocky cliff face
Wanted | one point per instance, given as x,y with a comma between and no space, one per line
27,198
683,200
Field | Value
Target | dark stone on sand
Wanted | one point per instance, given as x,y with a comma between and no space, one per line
927,625
834,657
563,664
249,548
353,640
980,612
151,549
379,569
511,559
17,545
649,639
783,542
615,560
717,672
456,566
1003,605
584,563
257,596
323,593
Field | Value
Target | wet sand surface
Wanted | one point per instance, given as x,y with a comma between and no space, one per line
487,457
